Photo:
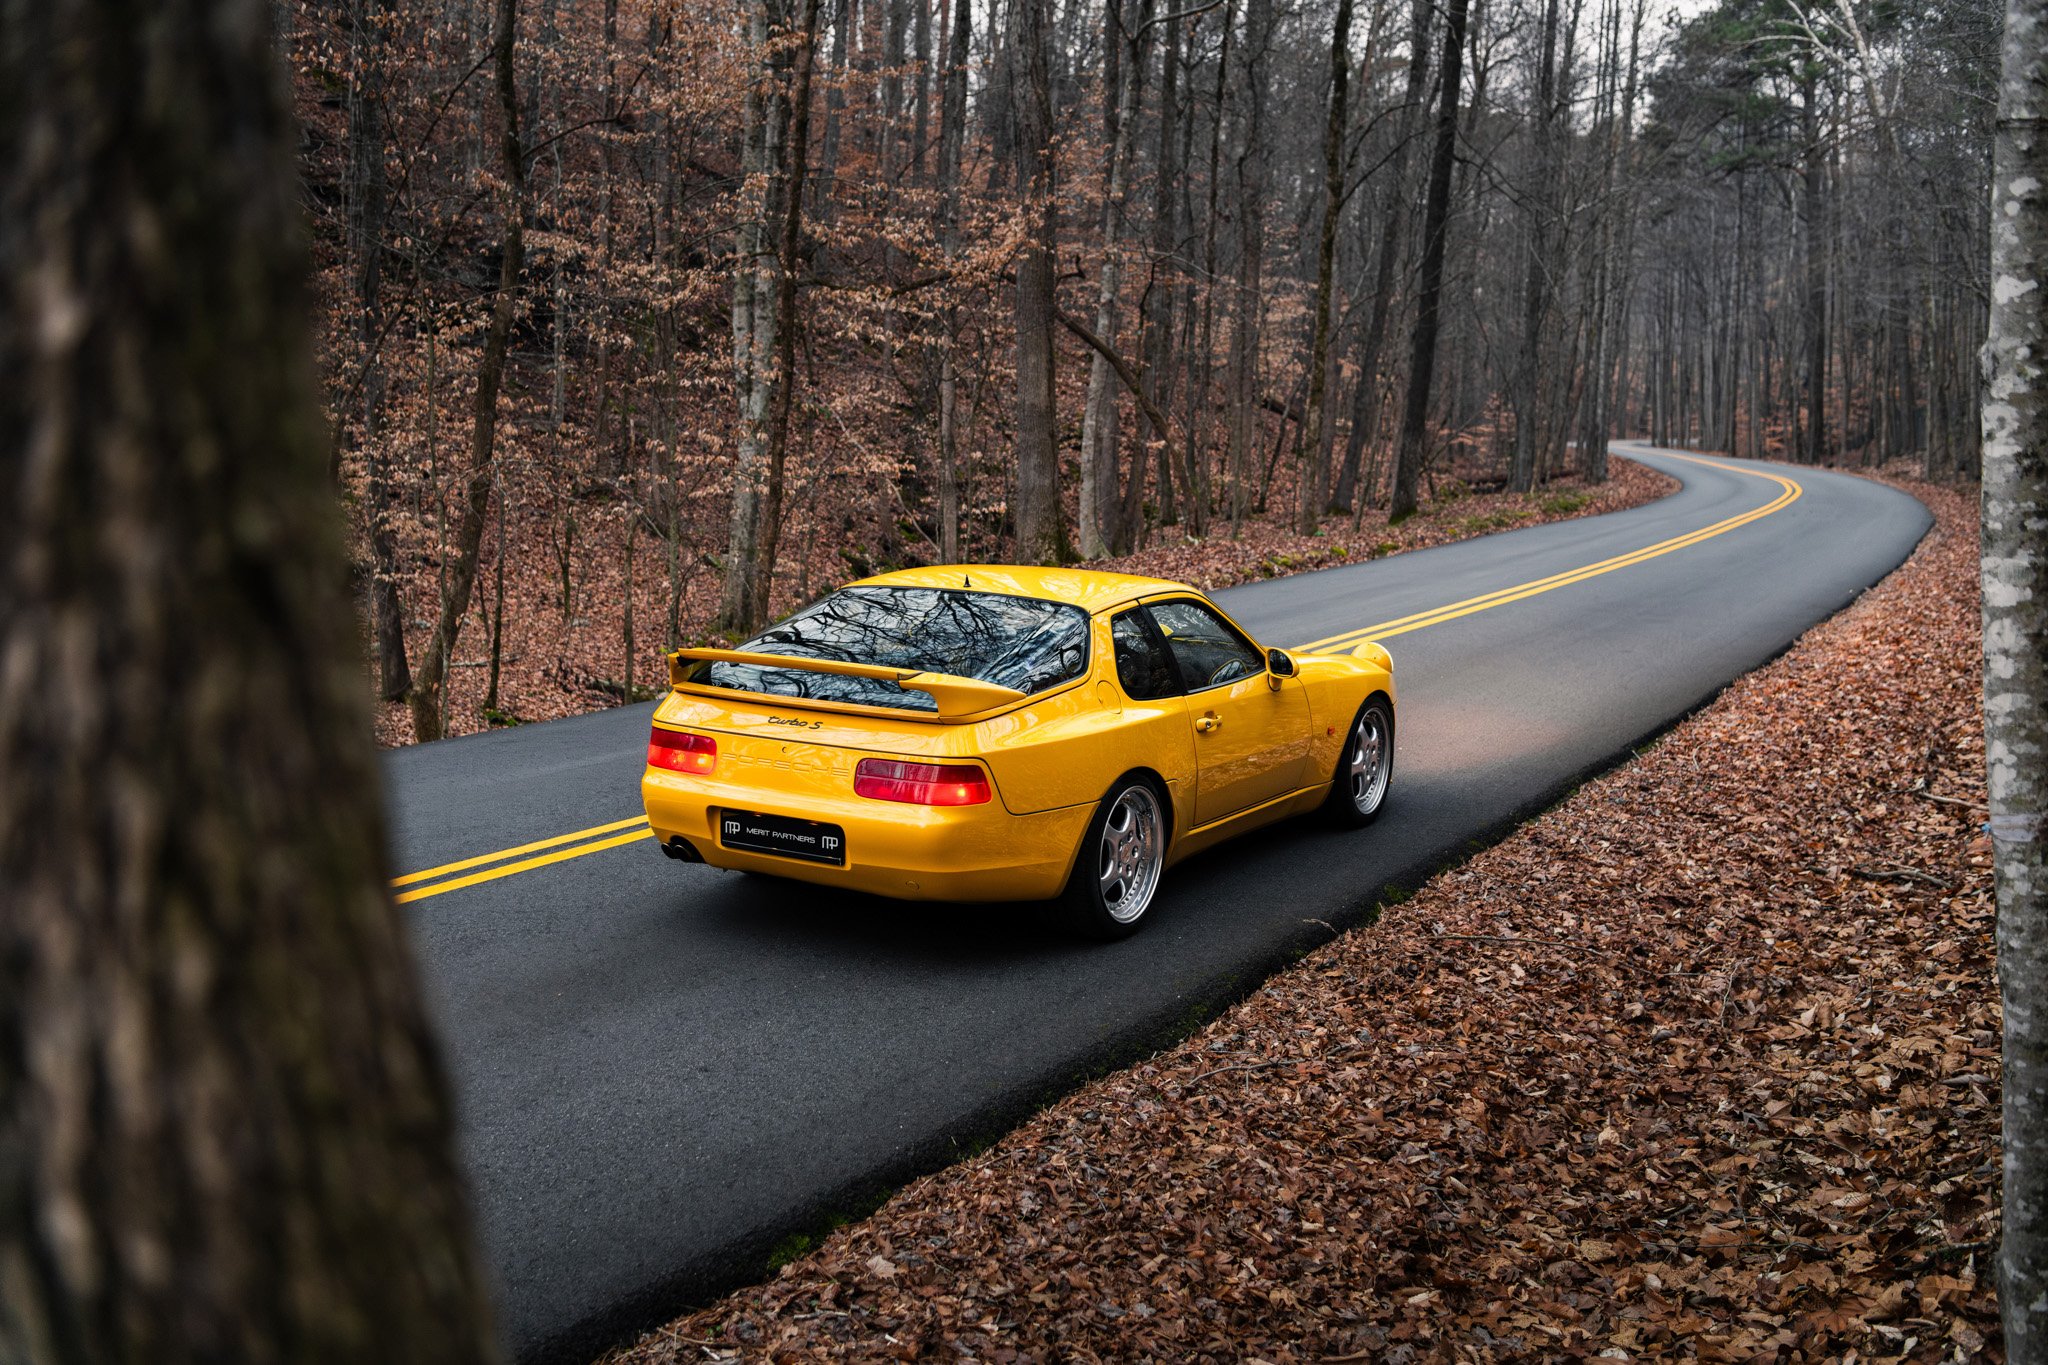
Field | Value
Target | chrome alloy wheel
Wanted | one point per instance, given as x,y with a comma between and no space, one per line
1133,850
1372,760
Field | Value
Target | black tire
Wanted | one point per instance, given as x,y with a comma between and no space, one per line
1122,857
1365,767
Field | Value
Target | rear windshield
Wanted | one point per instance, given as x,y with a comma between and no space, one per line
1017,642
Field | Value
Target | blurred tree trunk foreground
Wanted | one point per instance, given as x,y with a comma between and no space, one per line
2016,657
224,1130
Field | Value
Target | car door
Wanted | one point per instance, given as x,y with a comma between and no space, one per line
1251,737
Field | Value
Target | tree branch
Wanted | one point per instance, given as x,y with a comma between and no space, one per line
1123,371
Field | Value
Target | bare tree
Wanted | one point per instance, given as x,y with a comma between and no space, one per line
432,675
1249,303
789,232
952,139
368,201
1035,509
225,1132
757,312
1429,297
1127,44
1529,391
1315,473
1365,399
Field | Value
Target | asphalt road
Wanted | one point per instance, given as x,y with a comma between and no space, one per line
665,1070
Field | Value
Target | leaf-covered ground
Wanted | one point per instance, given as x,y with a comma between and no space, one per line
564,650
1700,1064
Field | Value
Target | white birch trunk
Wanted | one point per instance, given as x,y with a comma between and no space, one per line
2016,658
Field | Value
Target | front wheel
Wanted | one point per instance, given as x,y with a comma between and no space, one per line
1118,867
1366,767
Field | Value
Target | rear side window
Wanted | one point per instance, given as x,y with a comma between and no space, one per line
1205,647
1142,666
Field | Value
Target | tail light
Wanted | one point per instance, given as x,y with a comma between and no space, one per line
680,752
921,784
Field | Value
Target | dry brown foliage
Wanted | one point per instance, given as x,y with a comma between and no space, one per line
1700,1064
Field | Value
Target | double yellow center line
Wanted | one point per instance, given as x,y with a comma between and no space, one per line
486,867
494,866
1789,493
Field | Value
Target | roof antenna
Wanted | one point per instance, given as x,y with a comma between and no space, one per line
965,581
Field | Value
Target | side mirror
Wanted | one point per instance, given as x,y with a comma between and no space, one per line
1278,666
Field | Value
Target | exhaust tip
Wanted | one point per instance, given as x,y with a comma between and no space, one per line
682,850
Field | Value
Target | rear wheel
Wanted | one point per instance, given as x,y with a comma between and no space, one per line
1366,767
1122,856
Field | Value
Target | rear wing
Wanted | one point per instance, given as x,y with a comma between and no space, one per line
957,697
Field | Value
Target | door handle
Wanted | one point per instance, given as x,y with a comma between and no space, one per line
1204,724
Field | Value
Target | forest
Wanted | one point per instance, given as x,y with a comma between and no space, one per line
643,321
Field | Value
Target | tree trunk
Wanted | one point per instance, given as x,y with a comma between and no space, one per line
921,88
835,104
952,137
425,700
786,259
1429,294
1251,253
1156,309
1813,230
1529,387
895,26
1036,509
2016,659
756,309
609,451
1200,357
225,1134
1099,435
1315,472
368,206
1365,399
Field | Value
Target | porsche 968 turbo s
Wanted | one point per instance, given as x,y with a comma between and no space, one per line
993,733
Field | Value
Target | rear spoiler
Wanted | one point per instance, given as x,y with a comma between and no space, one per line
956,696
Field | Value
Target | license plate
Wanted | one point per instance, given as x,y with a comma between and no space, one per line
779,834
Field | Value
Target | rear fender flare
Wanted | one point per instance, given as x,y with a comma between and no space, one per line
1165,793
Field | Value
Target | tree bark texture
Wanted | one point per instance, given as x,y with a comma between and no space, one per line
2016,658
224,1129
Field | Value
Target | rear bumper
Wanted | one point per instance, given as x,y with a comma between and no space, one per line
963,853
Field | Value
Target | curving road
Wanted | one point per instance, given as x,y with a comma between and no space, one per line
665,1070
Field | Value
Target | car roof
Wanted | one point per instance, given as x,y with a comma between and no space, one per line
1090,589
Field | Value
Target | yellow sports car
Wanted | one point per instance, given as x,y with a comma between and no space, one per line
984,733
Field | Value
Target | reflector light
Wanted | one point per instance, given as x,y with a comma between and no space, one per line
681,753
921,784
